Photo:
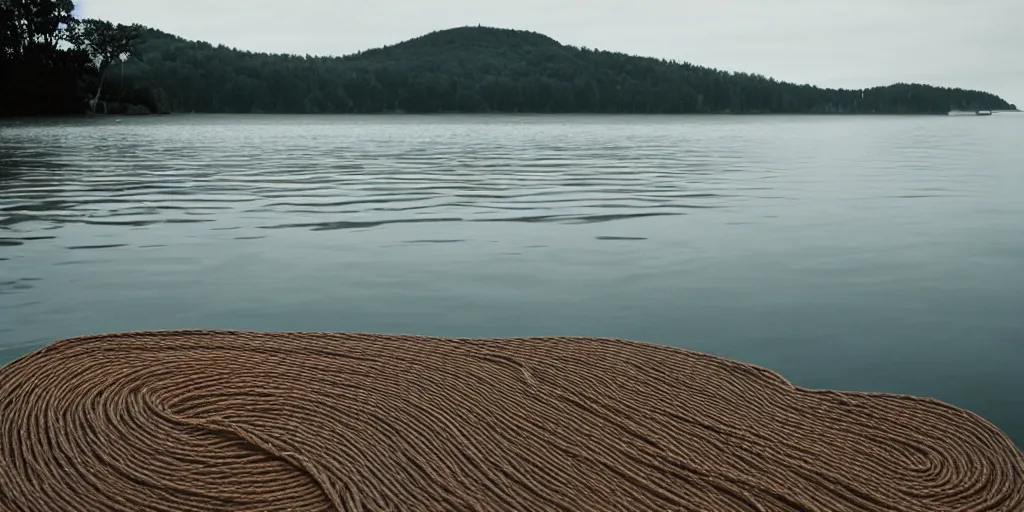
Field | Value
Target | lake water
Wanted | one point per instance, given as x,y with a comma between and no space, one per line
856,253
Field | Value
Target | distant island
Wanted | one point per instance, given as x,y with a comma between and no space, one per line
91,64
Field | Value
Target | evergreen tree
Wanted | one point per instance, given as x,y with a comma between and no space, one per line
480,69
52,63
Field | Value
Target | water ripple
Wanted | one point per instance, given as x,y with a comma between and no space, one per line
205,174
360,175
105,246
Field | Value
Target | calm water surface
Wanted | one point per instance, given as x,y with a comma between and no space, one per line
857,253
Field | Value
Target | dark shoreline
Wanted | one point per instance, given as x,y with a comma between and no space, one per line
509,114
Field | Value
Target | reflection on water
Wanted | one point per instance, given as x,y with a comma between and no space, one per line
874,253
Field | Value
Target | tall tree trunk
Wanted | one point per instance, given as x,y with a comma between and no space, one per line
99,89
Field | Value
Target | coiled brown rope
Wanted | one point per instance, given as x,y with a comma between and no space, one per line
244,421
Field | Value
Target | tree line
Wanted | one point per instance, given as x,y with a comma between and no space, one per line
481,69
54,63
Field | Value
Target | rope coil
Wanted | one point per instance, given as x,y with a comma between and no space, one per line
225,420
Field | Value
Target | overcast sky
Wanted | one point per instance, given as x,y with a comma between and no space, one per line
974,44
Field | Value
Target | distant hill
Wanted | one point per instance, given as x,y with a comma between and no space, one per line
481,69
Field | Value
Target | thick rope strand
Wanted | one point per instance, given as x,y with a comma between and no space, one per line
226,420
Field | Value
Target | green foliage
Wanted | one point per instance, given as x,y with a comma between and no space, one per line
481,69
26,23
38,75
468,69
50,61
105,42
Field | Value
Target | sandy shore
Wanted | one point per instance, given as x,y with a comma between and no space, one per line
205,420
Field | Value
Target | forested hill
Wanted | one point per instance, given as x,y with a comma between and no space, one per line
480,69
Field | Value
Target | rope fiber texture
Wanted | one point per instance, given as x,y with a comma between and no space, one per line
225,420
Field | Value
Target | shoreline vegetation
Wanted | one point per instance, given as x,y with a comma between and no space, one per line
55,64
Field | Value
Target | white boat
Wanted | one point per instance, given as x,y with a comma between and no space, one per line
970,112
